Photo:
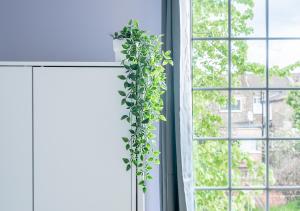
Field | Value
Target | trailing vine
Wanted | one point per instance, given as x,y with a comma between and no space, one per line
144,84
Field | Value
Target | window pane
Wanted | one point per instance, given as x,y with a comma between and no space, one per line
248,200
210,64
284,161
284,109
210,162
211,200
210,18
285,63
284,18
208,120
248,166
248,18
248,63
287,200
248,118
249,121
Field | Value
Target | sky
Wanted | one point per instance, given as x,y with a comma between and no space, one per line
284,21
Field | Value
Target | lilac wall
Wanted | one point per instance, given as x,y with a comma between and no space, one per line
69,30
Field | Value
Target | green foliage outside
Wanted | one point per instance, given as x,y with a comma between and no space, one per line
294,101
210,69
290,206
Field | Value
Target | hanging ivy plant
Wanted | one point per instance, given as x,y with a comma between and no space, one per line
144,84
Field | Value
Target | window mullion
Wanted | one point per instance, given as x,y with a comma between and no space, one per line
267,109
229,111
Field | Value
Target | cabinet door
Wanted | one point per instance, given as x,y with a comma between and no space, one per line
78,147
15,139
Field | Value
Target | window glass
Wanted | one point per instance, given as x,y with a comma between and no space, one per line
246,104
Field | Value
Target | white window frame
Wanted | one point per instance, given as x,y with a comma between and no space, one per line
257,108
225,110
267,187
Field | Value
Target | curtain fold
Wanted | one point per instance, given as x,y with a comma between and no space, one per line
176,133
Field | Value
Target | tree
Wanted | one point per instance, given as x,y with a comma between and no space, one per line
293,100
210,69
284,159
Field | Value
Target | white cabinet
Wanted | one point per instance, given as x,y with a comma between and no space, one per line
77,156
15,139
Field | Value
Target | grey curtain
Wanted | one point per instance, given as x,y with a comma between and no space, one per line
176,133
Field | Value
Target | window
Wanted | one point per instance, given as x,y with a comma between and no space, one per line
258,105
236,106
246,104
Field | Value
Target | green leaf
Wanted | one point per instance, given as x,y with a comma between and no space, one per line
157,161
126,84
132,76
129,103
132,96
135,23
122,77
162,118
127,146
125,160
151,136
156,153
128,167
149,177
165,62
134,66
124,117
144,189
150,159
167,53
145,121
125,139
122,93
